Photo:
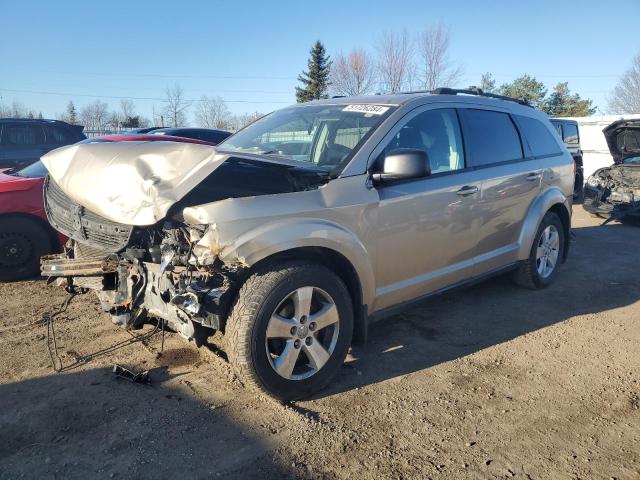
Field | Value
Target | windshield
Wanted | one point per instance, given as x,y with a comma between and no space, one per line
632,160
35,170
326,136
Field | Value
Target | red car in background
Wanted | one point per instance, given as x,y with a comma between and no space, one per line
25,233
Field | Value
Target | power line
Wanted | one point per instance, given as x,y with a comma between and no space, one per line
267,77
164,75
544,75
118,97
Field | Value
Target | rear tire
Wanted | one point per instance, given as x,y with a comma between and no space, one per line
578,189
22,243
268,327
536,272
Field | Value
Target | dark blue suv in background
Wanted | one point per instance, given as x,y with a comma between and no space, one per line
23,141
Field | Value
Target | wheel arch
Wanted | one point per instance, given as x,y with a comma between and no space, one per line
552,200
338,264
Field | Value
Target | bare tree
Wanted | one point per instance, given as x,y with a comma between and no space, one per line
95,115
394,61
354,74
176,106
18,110
212,113
114,120
625,97
127,108
240,121
157,118
436,68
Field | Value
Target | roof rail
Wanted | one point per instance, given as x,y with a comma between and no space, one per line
478,91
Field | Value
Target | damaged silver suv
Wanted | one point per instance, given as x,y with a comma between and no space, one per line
298,231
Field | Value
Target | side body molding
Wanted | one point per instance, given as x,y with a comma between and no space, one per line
537,210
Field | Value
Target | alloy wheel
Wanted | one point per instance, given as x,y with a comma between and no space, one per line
302,333
548,251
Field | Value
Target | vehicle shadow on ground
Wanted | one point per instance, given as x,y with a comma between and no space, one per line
91,424
601,274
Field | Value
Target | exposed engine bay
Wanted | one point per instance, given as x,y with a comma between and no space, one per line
614,192
163,271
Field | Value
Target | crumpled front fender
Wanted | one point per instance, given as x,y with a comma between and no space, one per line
259,243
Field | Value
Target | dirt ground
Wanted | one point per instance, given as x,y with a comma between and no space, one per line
488,382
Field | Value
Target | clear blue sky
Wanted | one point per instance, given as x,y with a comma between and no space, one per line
250,52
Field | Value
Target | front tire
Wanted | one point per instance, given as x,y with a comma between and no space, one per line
547,251
289,329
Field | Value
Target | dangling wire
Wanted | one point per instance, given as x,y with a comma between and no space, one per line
52,346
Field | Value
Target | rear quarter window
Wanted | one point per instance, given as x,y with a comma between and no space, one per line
540,139
490,137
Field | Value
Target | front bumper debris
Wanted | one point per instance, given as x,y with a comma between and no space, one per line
593,203
132,290
61,266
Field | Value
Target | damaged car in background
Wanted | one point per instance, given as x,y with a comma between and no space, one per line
295,232
613,192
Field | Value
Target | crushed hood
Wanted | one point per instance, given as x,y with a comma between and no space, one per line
623,139
134,183
137,183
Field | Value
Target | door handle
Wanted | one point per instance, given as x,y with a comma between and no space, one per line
467,190
533,176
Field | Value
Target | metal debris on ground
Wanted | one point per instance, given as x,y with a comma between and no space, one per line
121,372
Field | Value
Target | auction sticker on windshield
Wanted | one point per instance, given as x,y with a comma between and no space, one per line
366,108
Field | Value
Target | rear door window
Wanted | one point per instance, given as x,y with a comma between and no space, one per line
22,135
541,140
490,136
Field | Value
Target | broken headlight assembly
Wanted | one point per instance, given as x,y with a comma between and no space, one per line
593,181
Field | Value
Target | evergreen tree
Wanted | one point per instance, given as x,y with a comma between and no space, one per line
315,80
562,104
487,83
526,87
40,115
131,122
71,116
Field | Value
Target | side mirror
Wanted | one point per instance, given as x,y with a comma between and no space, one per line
403,164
